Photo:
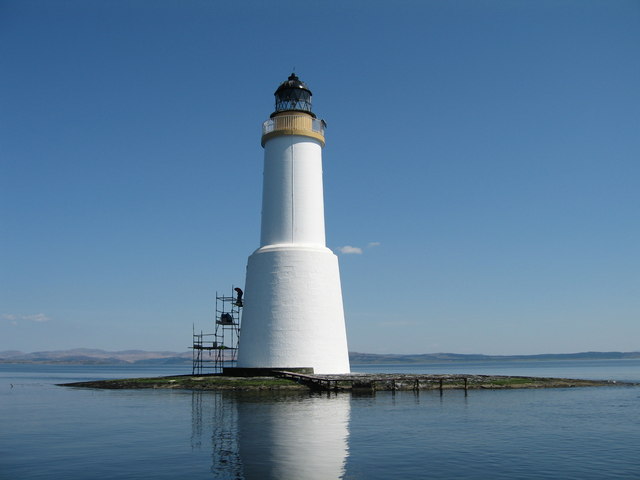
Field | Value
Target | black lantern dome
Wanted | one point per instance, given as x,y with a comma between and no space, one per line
293,95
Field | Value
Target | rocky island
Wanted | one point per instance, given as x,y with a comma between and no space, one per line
282,380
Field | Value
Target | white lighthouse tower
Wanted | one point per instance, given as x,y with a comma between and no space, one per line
293,315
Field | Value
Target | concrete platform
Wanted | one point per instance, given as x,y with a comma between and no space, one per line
263,372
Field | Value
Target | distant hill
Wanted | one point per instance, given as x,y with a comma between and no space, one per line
86,356
373,358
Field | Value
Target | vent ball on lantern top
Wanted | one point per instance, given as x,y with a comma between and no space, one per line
293,95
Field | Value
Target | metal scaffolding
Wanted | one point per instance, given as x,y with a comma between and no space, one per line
214,351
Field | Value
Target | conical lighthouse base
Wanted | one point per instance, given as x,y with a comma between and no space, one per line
293,316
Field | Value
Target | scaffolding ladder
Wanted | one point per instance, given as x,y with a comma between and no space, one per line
212,352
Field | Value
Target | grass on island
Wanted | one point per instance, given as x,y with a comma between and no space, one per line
516,381
202,382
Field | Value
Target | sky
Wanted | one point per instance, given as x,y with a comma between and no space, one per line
481,170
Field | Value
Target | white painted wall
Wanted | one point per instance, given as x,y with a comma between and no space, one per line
293,314
292,199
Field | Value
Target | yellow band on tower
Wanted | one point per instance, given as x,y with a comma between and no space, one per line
293,123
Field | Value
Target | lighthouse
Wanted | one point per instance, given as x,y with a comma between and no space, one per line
293,315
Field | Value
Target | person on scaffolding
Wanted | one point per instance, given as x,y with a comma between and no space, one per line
239,292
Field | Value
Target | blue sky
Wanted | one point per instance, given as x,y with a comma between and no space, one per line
483,155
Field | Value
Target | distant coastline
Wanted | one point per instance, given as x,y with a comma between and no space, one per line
85,356
373,358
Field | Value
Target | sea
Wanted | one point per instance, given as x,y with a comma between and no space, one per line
53,432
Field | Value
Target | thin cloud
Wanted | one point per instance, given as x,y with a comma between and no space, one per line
349,250
14,319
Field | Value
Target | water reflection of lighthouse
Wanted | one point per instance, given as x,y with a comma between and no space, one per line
263,437
303,438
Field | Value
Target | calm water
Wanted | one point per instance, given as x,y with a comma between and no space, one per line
49,432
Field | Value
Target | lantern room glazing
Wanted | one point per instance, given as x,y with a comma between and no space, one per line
293,95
